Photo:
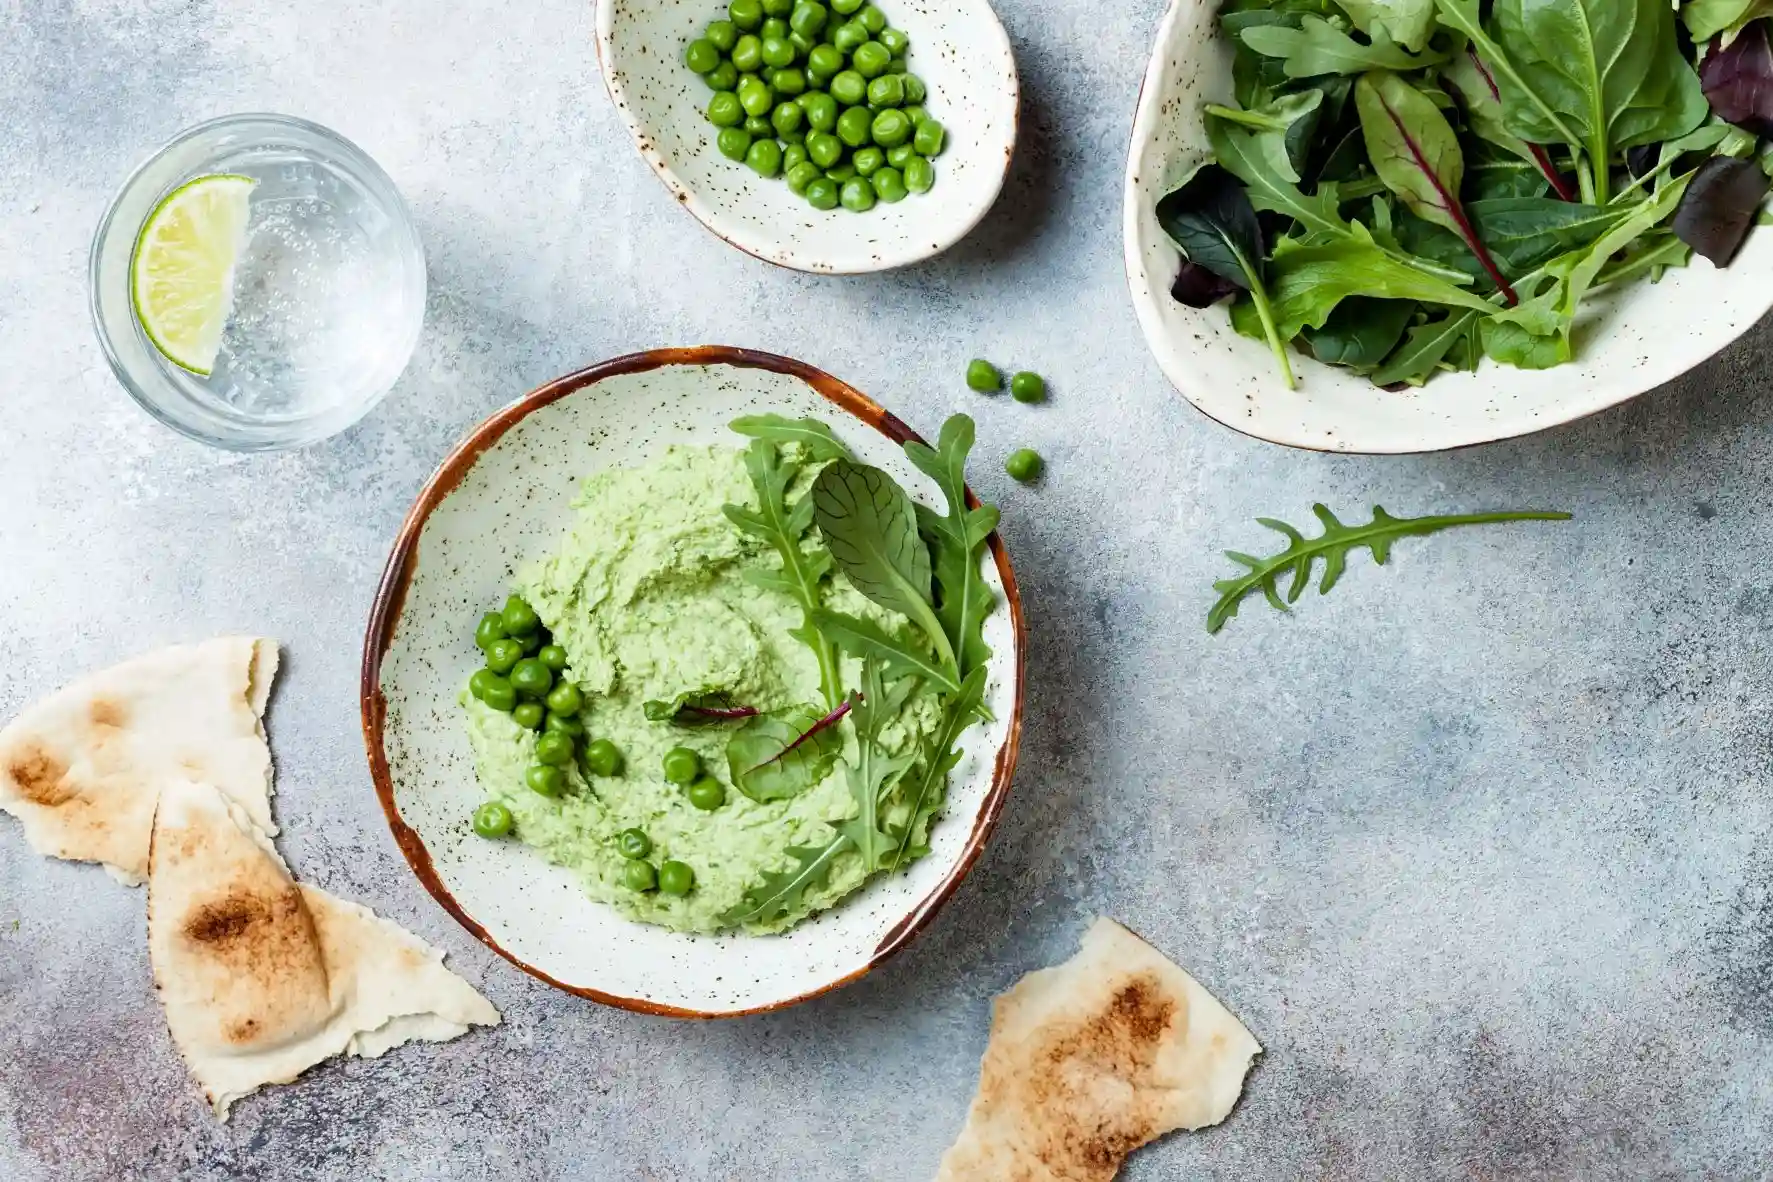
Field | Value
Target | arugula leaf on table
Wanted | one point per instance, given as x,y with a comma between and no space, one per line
1211,220
782,526
928,787
1318,47
708,706
1417,155
781,893
957,542
875,770
1705,19
1425,348
779,755
1483,114
1283,128
1302,554
868,641
1360,333
1407,22
1310,280
816,439
870,528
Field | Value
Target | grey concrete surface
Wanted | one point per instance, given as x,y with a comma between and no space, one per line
1480,846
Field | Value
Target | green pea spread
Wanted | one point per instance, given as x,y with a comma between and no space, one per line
648,594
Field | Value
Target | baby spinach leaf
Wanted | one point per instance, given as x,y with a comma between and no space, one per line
1318,47
867,640
1512,344
1705,19
1483,114
1523,232
928,787
1360,332
781,754
1211,220
957,542
1415,152
816,440
1407,22
702,707
1310,280
1719,207
1283,128
875,770
1738,80
870,527
1426,347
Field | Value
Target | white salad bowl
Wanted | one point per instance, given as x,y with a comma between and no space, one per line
1632,340
958,47
504,496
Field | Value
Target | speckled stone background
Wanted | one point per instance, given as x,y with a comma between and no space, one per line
1480,846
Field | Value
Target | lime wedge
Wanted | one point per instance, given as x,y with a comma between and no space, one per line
182,273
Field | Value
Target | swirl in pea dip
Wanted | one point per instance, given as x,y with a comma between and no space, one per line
734,691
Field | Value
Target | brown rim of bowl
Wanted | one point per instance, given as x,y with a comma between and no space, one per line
391,596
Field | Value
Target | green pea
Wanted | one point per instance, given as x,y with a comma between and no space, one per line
868,161
544,780
802,175
529,715
847,7
890,128
633,843
774,27
889,184
872,18
920,175
493,819
520,618
733,142
531,678
483,680
682,765
676,878
748,54
724,110
824,61
1028,387
808,18
723,35
553,656
554,749
1024,464
823,148
983,376
756,97
900,156
897,67
843,172
888,90
746,14
603,758
491,628
870,59
503,655
848,88
777,7
858,195
764,158
793,156
564,724
777,53
894,39
848,36
532,644
916,113
499,693
640,876
566,699
788,82
915,90
853,126
929,138
707,793
701,56
821,112
803,45
822,193
787,117
757,125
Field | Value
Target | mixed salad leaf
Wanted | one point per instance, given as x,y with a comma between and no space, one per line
1409,186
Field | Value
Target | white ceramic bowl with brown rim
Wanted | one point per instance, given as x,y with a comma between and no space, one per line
1629,341
958,47
503,496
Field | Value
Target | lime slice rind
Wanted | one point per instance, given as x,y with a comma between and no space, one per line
181,272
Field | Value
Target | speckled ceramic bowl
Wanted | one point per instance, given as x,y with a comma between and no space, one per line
1634,339
957,47
503,497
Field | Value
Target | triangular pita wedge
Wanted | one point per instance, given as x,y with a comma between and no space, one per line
263,977
81,768
1093,1058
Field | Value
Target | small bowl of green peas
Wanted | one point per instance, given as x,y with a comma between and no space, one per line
832,136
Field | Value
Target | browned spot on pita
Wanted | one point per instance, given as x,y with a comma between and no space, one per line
106,713
263,940
41,777
219,923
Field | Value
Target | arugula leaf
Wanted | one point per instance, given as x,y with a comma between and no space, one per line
1310,280
1416,154
1483,114
1425,348
1705,19
957,542
1360,332
1318,47
864,639
781,754
1211,220
816,439
870,528
707,706
1283,128
782,525
1408,22
1582,266
781,893
929,786
1332,547
875,770
1719,207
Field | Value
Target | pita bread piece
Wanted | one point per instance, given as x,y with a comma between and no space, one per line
263,977
1093,1058
81,769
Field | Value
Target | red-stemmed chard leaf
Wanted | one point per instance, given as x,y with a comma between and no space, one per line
1738,80
1415,152
781,754
703,707
1483,100
1719,207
